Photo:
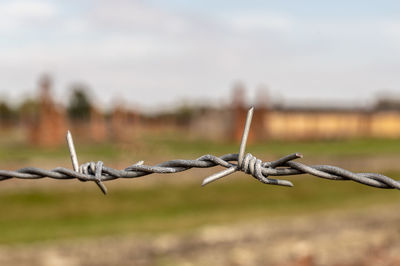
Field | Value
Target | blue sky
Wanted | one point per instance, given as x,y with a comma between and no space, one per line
158,52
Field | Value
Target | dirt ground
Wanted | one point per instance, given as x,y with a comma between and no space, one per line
370,236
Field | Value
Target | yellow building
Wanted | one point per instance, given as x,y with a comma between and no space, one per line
315,122
330,124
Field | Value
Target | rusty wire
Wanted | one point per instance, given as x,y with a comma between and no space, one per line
247,163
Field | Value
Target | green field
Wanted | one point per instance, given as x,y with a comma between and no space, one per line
38,213
180,146
361,147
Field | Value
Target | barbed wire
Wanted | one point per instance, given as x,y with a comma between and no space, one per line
247,163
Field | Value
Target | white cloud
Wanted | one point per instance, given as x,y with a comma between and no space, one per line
134,16
259,21
133,49
28,9
18,14
391,28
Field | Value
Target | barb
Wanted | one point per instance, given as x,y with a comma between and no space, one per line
247,163
242,149
84,168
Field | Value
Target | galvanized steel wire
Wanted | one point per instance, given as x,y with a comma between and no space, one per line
247,163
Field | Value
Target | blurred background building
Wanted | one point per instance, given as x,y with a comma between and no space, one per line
44,122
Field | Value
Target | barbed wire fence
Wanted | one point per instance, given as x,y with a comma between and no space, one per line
97,172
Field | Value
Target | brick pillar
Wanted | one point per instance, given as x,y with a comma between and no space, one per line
239,111
50,128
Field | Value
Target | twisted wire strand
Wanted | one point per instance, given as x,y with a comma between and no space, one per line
285,166
247,163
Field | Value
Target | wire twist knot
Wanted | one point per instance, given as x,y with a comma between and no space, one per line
92,169
253,166
95,171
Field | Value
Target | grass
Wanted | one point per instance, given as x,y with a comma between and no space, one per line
38,215
182,146
23,153
32,214
354,147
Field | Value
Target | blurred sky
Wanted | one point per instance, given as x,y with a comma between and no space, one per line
158,51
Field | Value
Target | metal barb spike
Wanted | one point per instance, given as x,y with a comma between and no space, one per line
102,187
75,163
219,175
72,152
245,135
242,150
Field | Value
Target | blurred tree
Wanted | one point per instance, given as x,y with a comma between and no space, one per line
7,114
184,114
388,104
79,105
29,109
